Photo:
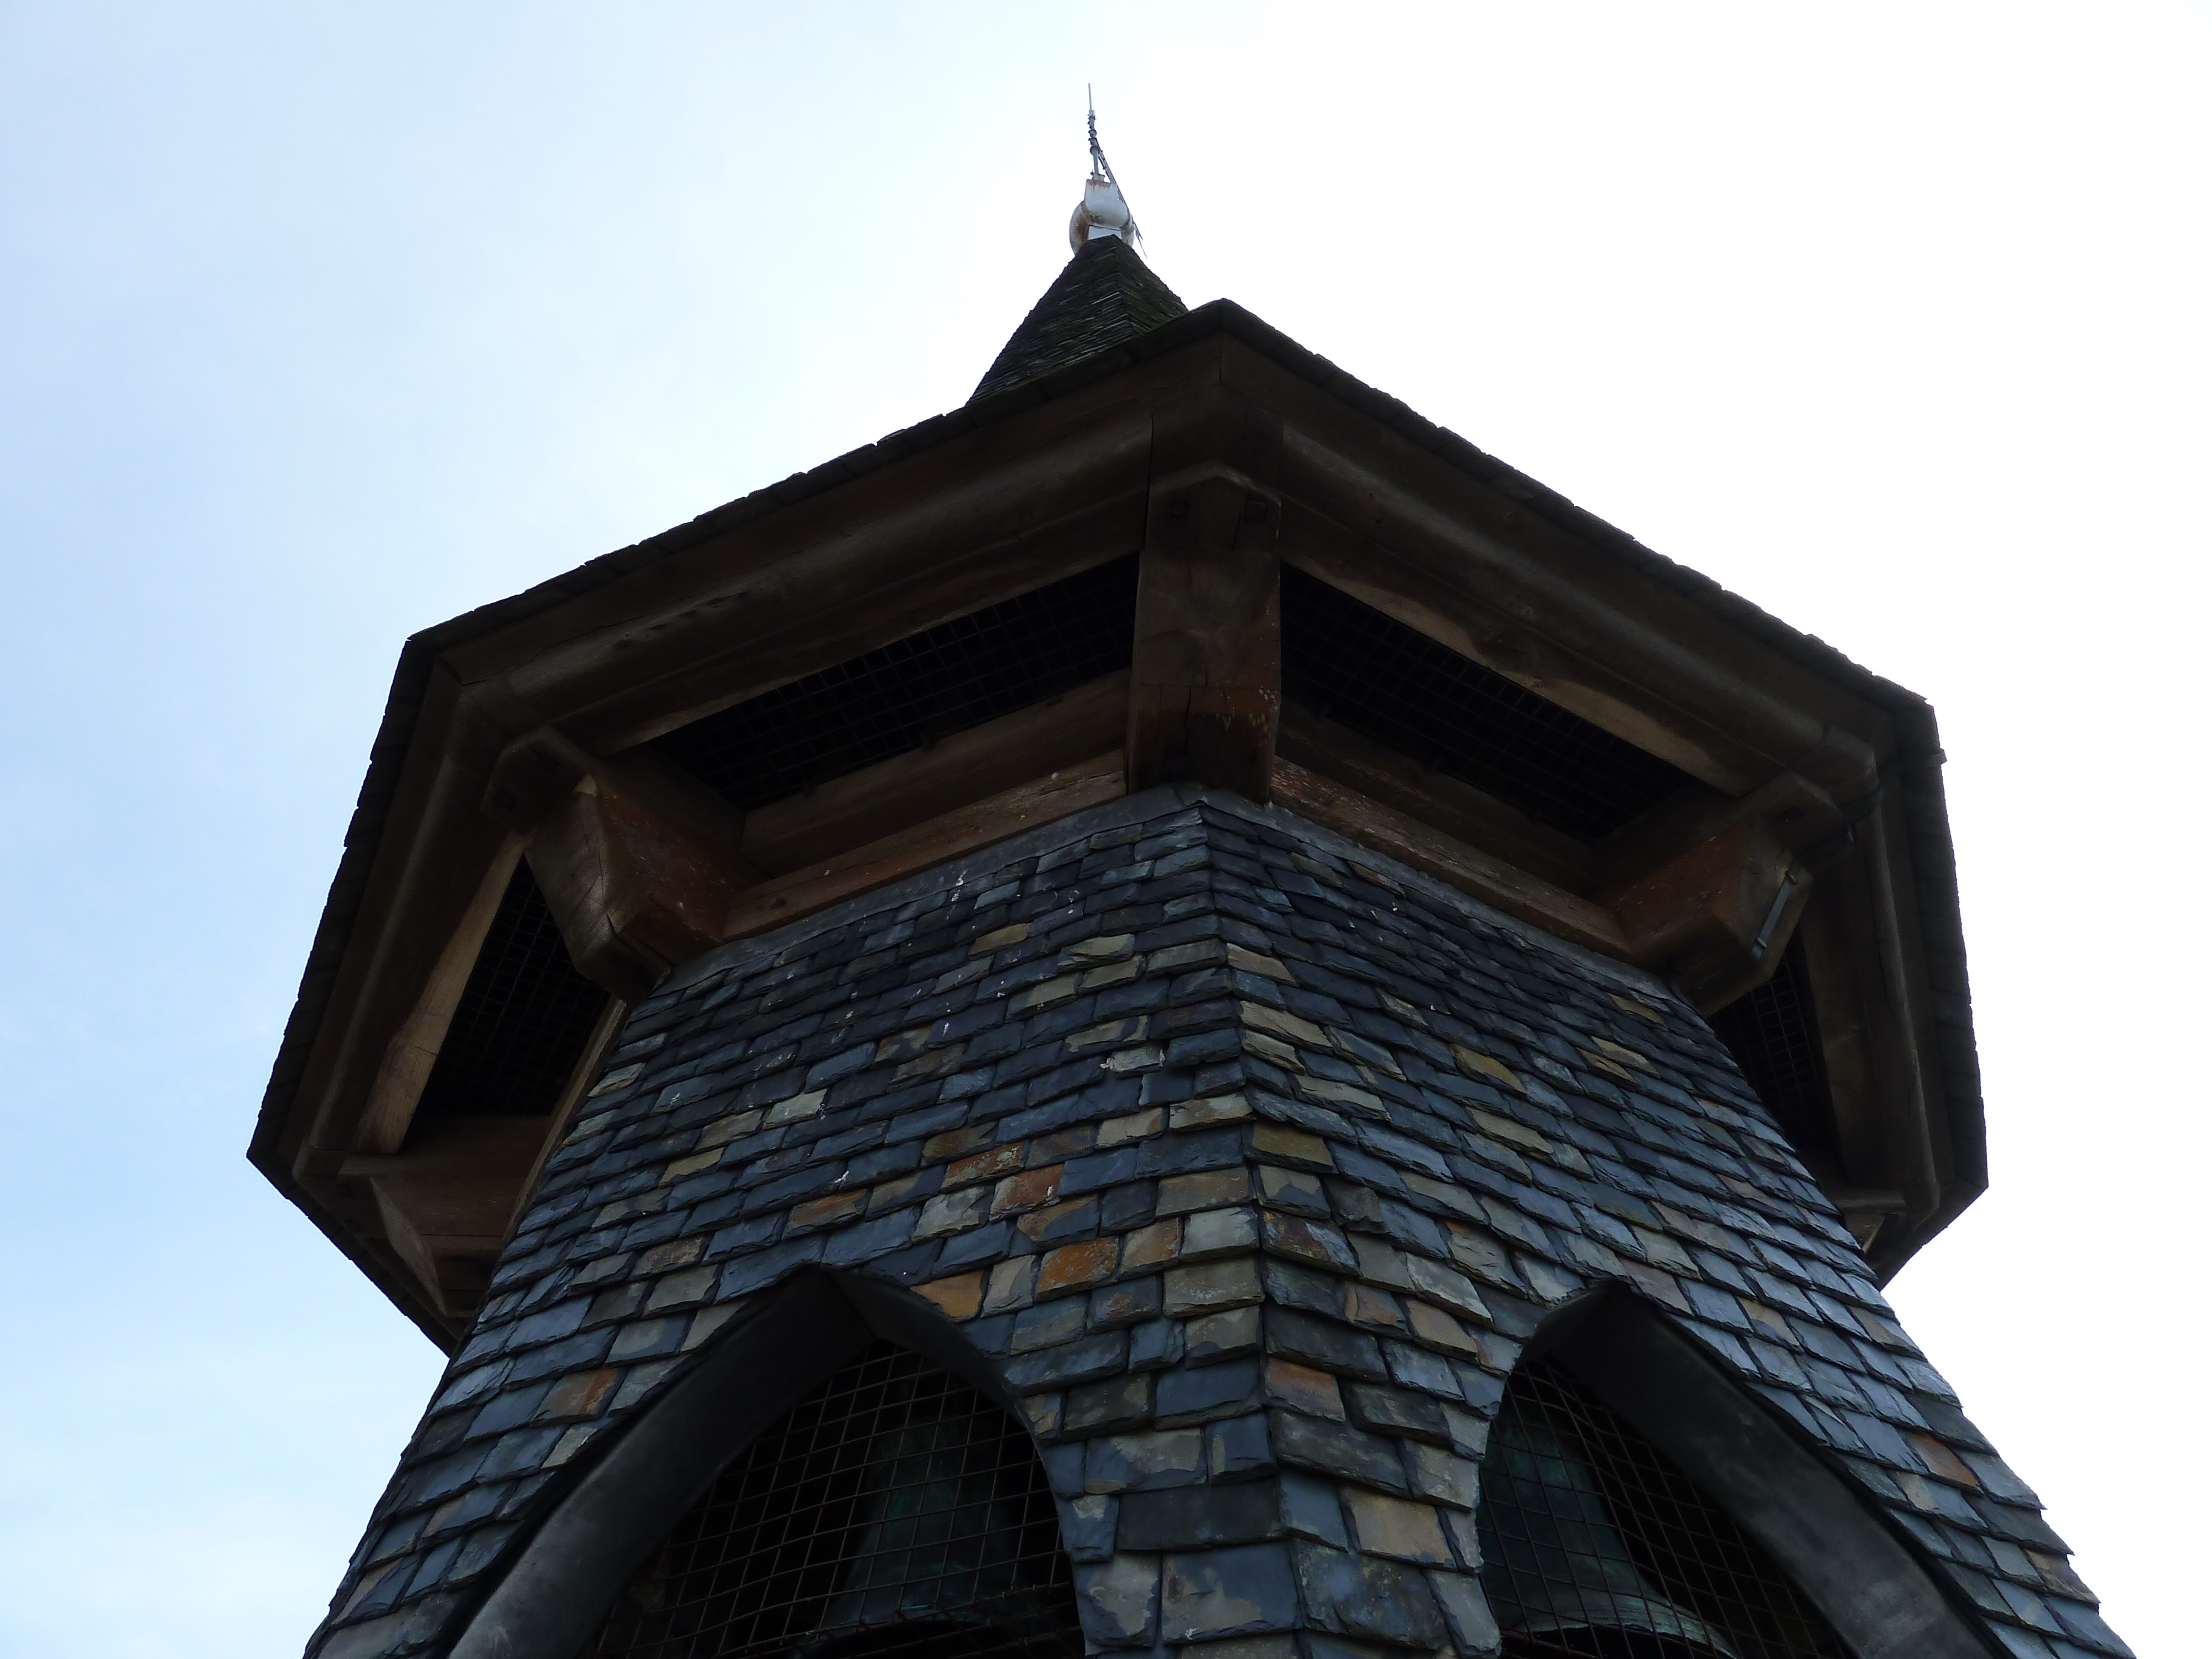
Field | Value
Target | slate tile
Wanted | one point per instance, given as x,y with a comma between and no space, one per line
1336,1449
1210,1594
1368,1597
1200,1517
1638,1176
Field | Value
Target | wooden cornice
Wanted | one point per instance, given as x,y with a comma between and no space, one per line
1215,450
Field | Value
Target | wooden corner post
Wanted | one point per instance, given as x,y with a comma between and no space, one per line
1206,691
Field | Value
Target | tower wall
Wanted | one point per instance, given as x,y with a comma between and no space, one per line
1248,1162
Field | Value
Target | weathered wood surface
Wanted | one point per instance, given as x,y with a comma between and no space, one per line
1460,809
1207,684
447,1201
1268,464
1679,665
436,848
977,824
633,893
413,1050
848,812
1430,850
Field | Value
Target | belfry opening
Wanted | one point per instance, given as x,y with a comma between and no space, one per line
1594,1545
1171,1011
895,1510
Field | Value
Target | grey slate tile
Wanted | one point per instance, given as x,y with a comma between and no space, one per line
1397,973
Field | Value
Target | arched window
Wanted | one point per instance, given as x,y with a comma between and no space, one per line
895,1510
1595,1546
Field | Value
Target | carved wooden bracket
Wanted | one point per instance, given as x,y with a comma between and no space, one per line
634,895
446,1202
638,866
1708,896
1720,889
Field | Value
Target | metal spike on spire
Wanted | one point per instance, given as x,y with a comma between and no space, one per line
1103,211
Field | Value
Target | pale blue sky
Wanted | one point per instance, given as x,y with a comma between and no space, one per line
325,322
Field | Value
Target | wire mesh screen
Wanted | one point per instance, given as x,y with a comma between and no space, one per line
523,1018
1594,1545
895,1510
1350,663
915,690
1775,1036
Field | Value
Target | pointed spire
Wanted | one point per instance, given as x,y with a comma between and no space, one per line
1103,210
1104,295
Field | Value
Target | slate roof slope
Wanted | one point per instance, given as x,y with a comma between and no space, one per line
1104,296
1095,1089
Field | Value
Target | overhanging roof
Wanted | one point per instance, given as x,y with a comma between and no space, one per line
1911,770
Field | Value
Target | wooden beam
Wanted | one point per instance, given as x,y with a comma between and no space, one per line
637,861
1206,691
842,592
1652,654
413,1050
1880,933
1478,624
741,578
1460,809
803,890
1709,890
536,774
641,864
447,1200
634,895
1703,888
1479,873
861,807
1796,813
1708,893
408,911
1709,919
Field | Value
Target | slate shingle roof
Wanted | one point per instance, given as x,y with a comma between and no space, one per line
1103,297
1150,1099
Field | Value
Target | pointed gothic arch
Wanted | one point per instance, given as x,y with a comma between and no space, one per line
1595,1545
1640,1503
895,1510
843,1476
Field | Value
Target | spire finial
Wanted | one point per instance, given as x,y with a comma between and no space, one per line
1103,211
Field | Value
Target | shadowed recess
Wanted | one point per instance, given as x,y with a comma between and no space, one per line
1348,662
522,1020
915,690
1776,1038
1595,1546
895,1510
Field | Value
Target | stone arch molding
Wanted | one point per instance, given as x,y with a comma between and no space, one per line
558,1589
1815,1522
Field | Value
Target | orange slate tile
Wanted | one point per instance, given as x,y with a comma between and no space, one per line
985,1166
1075,1266
1027,1190
957,1297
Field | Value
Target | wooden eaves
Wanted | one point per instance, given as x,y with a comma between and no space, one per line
1214,446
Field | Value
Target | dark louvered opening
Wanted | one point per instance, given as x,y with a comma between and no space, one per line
1348,662
925,687
895,1510
1593,1544
1775,1036
522,1020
